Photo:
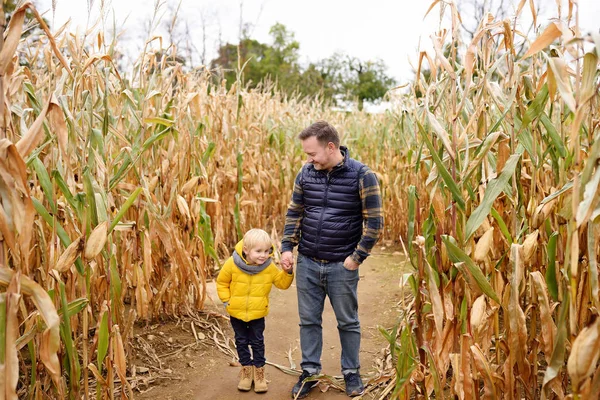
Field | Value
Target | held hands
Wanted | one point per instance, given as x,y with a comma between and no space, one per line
287,261
350,264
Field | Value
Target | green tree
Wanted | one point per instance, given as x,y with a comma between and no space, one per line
277,62
357,80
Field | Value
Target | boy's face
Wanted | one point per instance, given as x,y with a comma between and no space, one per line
258,254
322,157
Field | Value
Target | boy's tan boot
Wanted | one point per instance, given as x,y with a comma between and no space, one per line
260,382
246,378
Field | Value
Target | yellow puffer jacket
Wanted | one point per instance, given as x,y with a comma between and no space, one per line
248,295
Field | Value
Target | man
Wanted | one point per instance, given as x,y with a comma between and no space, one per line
335,218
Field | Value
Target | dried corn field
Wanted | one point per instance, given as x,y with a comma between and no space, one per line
119,196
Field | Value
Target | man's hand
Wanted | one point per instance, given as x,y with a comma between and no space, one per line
350,264
287,261
288,268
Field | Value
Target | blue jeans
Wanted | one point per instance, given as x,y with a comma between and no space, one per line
249,334
314,281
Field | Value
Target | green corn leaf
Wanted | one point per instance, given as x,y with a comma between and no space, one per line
115,283
551,269
457,256
208,152
75,307
593,263
437,383
493,190
101,207
45,182
66,332
62,185
536,107
567,186
60,232
159,121
412,205
555,138
103,338
121,172
502,226
91,197
128,203
456,195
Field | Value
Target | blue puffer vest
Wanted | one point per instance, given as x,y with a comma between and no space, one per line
333,223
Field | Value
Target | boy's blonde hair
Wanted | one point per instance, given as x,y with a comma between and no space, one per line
256,237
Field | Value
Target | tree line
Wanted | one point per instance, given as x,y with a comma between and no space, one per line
339,79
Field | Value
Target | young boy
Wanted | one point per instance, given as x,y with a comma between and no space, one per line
243,285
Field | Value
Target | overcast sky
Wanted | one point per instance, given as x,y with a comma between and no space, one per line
387,29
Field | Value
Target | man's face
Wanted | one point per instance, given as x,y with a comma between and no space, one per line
319,155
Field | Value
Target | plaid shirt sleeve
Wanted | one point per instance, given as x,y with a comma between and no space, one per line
293,218
372,211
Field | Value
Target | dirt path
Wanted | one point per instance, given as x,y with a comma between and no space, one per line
207,374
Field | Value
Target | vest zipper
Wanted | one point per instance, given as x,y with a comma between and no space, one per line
323,212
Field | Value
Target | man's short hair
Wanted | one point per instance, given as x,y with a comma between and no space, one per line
324,133
256,237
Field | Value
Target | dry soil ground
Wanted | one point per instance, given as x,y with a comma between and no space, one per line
203,372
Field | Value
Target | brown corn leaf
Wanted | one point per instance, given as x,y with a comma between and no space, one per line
34,135
530,246
584,353
11,359
561,77
14,194
550,34
183,208
12,38
542,212
431,7
190,185
436,300
478,312
50,337
483,245
56,117
437,45
119,354
484,369
518,328
50,37
548,326
68,257
97,374
533,13
551,84
6,232
465,366
96,241
441,133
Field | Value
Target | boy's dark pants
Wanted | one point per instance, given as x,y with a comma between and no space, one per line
250,334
